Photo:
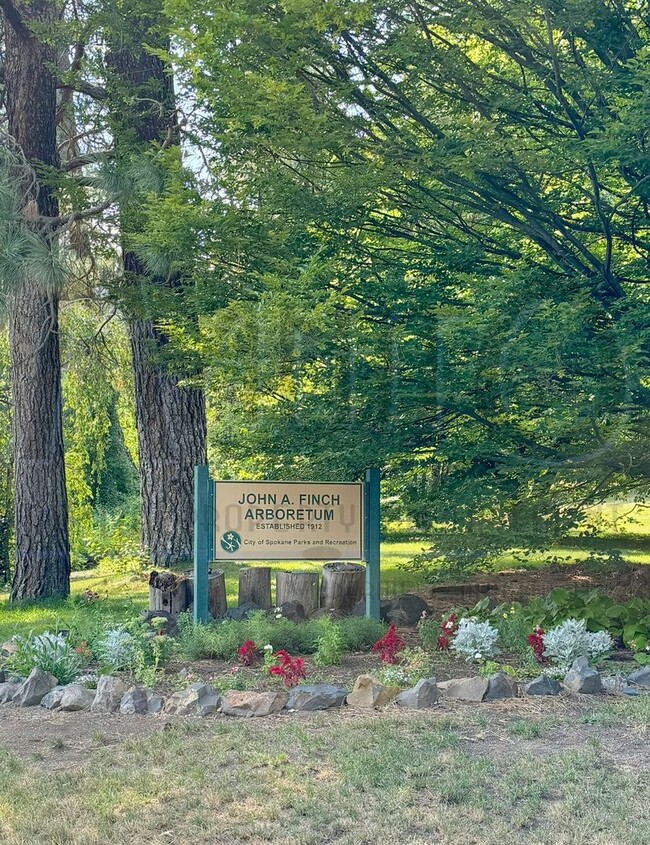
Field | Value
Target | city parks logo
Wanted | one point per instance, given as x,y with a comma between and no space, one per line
230,542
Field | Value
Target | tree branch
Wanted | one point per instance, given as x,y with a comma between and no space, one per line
87,88
15,20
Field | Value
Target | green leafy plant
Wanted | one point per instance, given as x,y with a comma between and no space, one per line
49,652
411,665
330,644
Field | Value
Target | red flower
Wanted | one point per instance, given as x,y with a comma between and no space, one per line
448,628
247,654
536,642
389,645
290,669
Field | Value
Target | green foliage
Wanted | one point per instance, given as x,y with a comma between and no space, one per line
431,227
412,665
330,643
429,630
220,640
49,652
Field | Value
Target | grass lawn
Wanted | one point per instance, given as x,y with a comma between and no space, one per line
478,775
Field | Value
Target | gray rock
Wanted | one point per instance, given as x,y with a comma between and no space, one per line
237,703
8,649
618,685
360,609
465,689
294,611
52,701
134,702
641,678
35,688
542,685
3,676
7,691
109,695
501,685
197,700
76,697
316,697
407,609
420,697
368,693
583,679
155,703
242,611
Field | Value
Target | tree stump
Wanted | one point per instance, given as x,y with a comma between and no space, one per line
297,586
168,592
217,604
255,586
343,586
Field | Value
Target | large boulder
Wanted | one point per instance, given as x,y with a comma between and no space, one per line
236,703
294,611
76,697
7,691
501,685
238,614
641,678
316,697
35,688
368,693
583,679
407,609
542,685
109,695
420,697
134,702
360,609
52,701
465,689
197,700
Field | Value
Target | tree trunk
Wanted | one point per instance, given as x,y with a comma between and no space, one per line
297,586
255,586
343,586
171,430
170,419
42,559
217,602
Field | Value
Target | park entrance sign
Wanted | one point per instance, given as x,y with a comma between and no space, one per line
266,520
279,520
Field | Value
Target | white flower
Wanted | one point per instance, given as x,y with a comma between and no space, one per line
477,656
268,647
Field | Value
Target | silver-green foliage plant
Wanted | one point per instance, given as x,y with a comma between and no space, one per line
117,649
570,640
475,640
48,652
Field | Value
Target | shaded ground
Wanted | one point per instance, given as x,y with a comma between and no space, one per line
621,583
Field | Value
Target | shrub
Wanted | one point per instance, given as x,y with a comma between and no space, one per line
116,649
330,643
475,640
360,632
570,640
48,652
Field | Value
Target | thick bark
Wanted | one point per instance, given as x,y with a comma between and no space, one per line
42,560
171,422
171,441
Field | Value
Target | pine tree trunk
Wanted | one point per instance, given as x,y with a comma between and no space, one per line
170,419
42,560
171,441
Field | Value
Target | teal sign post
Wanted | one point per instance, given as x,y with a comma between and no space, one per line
268,520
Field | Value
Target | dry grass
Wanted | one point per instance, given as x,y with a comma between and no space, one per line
454,775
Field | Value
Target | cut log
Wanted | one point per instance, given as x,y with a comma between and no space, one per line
343,586
217,604
297,586
255,586
168,592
